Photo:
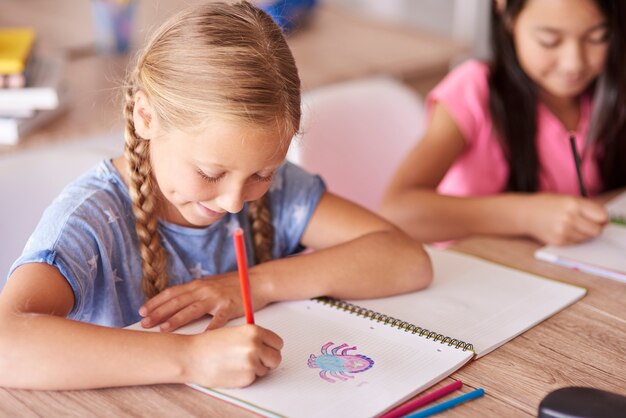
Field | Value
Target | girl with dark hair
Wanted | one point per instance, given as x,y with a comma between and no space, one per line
496,156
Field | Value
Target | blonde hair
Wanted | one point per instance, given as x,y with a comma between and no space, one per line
218,60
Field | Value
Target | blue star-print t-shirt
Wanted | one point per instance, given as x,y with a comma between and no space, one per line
88,233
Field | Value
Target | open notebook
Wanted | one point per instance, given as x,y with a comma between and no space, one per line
604,255
362,358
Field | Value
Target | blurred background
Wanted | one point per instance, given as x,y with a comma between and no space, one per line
414,41
69,22
463,20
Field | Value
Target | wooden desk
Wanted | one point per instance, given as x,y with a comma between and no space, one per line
583,345
334,46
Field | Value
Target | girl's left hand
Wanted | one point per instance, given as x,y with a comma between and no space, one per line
219,296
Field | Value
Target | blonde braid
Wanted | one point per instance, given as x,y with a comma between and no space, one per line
262,229
141,187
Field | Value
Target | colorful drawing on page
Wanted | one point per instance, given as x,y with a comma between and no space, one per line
338,363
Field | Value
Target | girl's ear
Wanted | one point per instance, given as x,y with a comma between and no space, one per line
143,116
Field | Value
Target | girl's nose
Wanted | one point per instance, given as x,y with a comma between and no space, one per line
231,200
573,57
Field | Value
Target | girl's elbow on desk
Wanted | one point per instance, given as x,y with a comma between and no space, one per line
415,261
424,272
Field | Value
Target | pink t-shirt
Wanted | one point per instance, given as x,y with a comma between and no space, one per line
482,168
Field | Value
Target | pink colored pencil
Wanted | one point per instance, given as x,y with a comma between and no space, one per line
242,266
423,400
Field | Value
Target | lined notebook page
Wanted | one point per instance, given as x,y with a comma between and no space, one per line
403,364
479,302
603,255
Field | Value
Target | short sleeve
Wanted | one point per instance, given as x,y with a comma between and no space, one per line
294,195
66,239
85,233
464,92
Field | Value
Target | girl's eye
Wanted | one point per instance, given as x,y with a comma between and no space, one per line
266,179
255,177
548,42
599,37
207,177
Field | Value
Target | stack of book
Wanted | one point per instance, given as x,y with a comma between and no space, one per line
31,91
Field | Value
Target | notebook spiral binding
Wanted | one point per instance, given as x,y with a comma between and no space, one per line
394,322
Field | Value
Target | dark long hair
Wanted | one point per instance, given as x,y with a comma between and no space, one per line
510,88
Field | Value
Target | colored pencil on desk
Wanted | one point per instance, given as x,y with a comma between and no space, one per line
423,400
242,266
581,184
444,406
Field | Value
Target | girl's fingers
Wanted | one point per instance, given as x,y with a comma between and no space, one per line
271,339
183,317
270,357
589,229
261,370
220,317
163,297
167,309
594,212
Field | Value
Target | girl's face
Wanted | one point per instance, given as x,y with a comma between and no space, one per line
561,44
204,174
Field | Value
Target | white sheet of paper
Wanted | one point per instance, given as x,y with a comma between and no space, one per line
477,301
403,365
603,256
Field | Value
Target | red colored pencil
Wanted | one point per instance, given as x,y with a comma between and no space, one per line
423,400
242,266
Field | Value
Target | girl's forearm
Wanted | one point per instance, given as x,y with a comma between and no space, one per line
429,217
378,264
53,353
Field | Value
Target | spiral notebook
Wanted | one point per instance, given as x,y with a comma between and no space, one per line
603,255
362,358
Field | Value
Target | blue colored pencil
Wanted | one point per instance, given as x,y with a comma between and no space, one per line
444,406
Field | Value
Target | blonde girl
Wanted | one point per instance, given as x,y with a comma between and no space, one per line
210,110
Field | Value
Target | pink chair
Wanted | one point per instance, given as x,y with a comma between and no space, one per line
356,133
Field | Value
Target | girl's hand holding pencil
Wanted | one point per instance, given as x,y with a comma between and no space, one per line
223,296
241,353
231,357
561,220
